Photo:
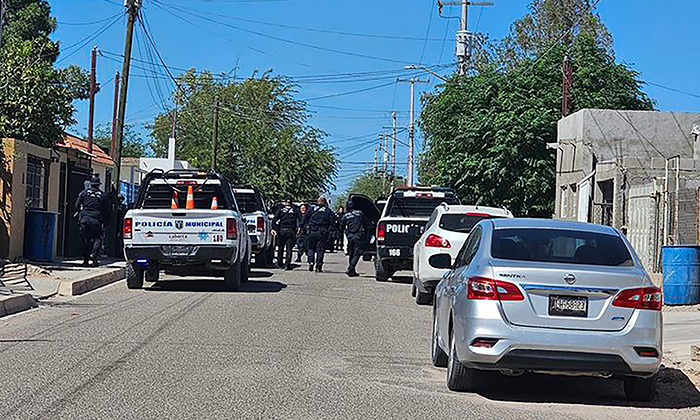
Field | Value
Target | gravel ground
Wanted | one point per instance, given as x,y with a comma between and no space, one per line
292,345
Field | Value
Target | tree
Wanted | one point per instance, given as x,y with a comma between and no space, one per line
264,138
486,133
133,145
371,185
35,97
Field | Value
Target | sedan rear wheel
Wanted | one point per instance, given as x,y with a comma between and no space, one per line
640,389
459,378
436,352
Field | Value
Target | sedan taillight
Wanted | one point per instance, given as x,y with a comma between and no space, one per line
128,228
231,229
436,241
381,232
481,288
640,298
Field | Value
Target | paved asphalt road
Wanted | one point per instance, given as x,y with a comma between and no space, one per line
291,346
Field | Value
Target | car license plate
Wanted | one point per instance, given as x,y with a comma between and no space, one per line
568,306
176,250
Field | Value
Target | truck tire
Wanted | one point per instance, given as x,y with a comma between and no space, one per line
423,298
380,271
134,276
232,277
152,274
245,269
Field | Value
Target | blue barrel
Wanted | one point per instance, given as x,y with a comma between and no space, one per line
681,269
39,235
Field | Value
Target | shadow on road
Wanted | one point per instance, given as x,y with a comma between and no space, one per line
217,285
675,390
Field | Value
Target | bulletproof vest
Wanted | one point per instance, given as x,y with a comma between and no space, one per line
320,219
287,218
92,203
353,221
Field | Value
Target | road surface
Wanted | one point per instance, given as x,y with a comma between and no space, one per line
293,345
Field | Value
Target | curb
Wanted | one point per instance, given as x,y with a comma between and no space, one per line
91,282
16,303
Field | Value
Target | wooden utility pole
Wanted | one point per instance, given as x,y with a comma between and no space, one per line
115,110
566,86
215,135
91,113
132,11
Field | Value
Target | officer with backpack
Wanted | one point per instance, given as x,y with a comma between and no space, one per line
92,208
352,224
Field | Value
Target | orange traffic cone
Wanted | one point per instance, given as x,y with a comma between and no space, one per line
214,203
190,198
174,201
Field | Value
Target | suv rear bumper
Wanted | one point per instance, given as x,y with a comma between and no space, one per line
218,257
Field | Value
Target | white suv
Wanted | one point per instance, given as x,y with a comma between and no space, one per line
445,232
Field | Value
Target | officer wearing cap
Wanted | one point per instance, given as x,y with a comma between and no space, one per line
285,229
317,223
92,208
352,224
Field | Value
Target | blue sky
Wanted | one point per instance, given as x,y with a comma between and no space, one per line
658,39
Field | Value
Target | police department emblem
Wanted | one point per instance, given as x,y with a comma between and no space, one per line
178,224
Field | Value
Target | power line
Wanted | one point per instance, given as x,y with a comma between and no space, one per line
694,95
352,92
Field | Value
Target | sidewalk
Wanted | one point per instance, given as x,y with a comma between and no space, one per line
64,278
681,331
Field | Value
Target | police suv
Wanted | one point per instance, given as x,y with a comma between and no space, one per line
403,219
186,222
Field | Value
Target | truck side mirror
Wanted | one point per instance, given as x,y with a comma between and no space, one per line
442,261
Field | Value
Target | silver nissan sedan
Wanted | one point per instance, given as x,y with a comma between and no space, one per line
547,296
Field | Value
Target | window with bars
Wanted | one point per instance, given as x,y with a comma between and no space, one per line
37,176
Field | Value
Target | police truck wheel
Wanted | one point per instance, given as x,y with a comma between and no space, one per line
134,276
232,277
245,269
380,271
152,274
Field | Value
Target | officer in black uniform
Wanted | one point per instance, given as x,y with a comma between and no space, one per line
286,229
318,223
92,208
352,224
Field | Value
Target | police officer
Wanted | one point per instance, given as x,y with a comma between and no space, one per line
92,208
318,223
286,229
352,224
301,231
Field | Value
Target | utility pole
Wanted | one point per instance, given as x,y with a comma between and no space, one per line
411,127
91,112
115,106
462,46
393,146
215,135
132,11
385,165
566,86
376,156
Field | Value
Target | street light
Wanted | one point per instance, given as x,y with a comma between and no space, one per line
427,70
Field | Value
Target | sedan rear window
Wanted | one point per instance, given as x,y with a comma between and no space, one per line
560,246
462,222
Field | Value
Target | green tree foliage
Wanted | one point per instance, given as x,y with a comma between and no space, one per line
264,138
369,184
486,133
35,97
133,145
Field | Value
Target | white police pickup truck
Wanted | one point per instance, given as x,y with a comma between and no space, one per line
252,204
186,223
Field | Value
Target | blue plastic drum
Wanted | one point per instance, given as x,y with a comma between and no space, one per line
681,271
